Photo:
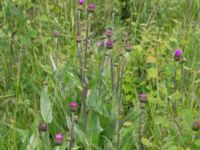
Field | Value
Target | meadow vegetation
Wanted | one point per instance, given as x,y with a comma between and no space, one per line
100,74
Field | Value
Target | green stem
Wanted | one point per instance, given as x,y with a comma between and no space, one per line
72,132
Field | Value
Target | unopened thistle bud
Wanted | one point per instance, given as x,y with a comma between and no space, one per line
58,140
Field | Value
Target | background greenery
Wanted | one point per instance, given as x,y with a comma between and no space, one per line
31,92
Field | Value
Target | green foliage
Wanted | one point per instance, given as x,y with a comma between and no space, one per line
32,91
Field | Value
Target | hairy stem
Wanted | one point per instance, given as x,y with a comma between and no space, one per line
175,85
85,88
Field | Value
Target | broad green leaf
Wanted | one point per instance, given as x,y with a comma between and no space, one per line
46,108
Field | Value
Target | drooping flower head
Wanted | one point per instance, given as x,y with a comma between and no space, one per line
109,44
91,7
73,106
81,2
58,140
177,54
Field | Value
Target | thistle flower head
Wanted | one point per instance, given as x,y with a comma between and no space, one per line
58,140
196,125
42,127
73,106
91,7
56,34
109,44
81,2
143,98
177,54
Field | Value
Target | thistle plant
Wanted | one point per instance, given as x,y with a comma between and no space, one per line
83,57
73,109
177,57
91,8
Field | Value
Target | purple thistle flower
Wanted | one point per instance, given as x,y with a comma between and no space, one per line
109,44
196,125
91,7
177,54
58,140
81,2
73,106
143,98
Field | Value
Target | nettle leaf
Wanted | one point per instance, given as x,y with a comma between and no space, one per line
45,107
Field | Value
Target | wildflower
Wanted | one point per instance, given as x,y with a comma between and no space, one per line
73,106
58,140
177,54
196,125
56,34
81,2
143,98
42,127
91,7
109,44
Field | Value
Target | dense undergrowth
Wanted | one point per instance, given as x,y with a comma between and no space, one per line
41,74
